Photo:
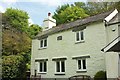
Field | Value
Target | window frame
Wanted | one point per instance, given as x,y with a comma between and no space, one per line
60,66
59,38
80,36
43,70
43,44
81,64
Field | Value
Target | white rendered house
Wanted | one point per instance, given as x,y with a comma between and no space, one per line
70,49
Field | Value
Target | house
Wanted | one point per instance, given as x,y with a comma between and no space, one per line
112,48
70,49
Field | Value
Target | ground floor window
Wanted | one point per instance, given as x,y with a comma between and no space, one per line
42,67
81,64
60,66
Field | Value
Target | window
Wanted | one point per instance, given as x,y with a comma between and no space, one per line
59,38
79,36
42,67
43,43
60,66
81,64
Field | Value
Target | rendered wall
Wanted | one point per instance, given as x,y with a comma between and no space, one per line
94,42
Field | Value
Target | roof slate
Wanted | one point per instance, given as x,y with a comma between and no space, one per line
77,23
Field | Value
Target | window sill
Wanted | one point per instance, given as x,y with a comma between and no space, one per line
81,71
42,72
42,48
77,42
60,73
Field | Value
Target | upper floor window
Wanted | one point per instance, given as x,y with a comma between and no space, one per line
59,38
43,43
79,36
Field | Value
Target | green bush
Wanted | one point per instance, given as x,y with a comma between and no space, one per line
100,75
13,66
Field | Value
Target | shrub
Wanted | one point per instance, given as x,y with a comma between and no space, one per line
100,75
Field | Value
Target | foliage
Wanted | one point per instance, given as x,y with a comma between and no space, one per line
117,5
93,8
71,13
11,66
100,75
62,8
16,43
67,13
33,30
17,18
13,40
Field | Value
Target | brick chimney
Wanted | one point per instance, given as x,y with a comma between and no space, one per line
49,22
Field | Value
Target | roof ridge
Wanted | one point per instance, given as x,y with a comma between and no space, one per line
73,24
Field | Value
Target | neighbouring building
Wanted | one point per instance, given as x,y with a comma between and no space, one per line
112,48
73,48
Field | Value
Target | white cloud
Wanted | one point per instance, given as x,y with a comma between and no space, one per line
9,2
44,2
51,2
56,2
2,9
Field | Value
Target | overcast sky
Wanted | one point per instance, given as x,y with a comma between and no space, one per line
37,9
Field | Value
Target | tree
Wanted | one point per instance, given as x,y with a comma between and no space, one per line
17,19
117,5
13,67
16,44
93,8
59,10
67,13
33,30
71,13
13,39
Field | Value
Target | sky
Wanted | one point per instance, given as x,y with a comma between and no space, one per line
36,9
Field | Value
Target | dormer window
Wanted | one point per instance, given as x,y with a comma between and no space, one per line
43,43
79,36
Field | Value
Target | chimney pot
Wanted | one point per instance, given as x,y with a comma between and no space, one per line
49,14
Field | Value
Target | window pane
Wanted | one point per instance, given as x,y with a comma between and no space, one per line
77,36
82,35
41,43
45,66
45,42
79,64
62,66
58,66
59,38
40,67
84,64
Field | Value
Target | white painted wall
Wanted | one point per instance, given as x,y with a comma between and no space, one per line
94,42
112,65
119,65
112,58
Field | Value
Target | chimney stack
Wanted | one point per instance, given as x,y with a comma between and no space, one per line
49,14
49,22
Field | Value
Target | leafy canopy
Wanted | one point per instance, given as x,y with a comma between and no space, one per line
33,30
17,19
78,10
70,13
16,43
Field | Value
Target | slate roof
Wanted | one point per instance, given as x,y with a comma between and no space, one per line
77,23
